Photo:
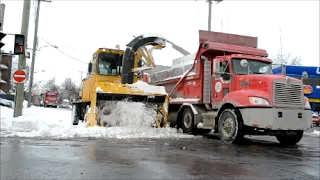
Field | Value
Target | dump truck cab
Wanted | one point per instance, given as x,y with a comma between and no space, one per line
50,99
239,72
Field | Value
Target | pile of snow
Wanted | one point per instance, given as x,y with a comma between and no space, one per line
51,123
122,113
151,89
316,133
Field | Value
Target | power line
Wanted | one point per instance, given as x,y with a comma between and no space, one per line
63,52
75,49
70,56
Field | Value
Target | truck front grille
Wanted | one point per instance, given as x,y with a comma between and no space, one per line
288,94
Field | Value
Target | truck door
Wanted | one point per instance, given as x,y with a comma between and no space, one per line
220,83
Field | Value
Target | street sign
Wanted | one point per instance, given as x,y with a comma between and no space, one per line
19,76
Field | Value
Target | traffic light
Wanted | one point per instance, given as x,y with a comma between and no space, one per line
19,44
5,72
2,35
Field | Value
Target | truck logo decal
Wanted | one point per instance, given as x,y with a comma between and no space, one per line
218,87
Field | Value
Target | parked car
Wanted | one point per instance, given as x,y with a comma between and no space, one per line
315,119
65,104
7,103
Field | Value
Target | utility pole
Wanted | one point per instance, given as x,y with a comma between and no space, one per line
280,42
81,76
209,14
19,97
2,8
34,50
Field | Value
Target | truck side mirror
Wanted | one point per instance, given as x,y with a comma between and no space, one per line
283,70
244,63
90,67
304,75
216,66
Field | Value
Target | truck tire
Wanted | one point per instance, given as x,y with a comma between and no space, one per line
75,117
290,139
230,127
187,122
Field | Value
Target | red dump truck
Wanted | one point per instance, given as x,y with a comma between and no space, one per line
228,87
50,99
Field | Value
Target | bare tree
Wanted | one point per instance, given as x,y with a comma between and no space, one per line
43,86
69,90
287,59
50,85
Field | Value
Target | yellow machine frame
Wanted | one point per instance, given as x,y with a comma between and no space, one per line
112,84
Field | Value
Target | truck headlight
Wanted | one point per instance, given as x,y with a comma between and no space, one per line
258,101
307,105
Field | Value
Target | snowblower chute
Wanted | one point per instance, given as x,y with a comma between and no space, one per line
115,75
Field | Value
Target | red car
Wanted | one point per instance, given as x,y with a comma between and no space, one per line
315,119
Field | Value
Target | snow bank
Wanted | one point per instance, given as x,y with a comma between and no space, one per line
51,123
143,86
315,133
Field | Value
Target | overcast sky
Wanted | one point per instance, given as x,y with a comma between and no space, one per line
79,28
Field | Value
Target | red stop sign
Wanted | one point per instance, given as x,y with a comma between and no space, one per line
19,76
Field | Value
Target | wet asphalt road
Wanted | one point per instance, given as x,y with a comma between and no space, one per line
199,158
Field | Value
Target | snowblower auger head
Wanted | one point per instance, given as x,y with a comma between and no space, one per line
110,93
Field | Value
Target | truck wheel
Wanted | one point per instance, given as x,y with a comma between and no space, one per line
290,139
230,127
75,114
187,121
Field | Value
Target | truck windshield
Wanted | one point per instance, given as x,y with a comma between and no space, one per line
109,64
254,66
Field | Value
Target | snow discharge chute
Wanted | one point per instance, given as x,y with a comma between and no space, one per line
138,46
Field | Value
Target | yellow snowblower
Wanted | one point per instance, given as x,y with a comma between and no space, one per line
114,75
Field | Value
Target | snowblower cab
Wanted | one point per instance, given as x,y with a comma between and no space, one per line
115,75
